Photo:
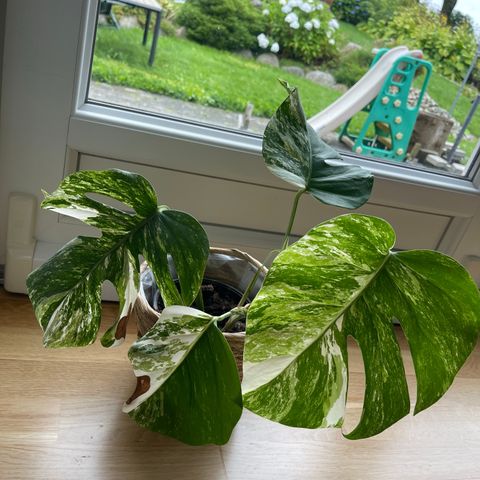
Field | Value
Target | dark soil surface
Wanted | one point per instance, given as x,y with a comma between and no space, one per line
218,299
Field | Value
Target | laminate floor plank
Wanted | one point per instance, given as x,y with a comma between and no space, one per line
61,419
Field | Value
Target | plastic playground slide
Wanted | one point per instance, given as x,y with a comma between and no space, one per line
361,94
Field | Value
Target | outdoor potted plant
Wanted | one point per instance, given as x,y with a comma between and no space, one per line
341,278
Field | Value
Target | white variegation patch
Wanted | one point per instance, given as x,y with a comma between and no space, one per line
172,348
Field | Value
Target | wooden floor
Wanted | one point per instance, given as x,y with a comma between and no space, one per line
60,418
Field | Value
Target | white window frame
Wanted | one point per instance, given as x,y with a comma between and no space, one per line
87,114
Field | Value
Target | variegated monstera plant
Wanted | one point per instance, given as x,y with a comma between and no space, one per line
342,278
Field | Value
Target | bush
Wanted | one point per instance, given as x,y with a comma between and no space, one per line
385,10
300,29
352,67
458,18
351,11
450,49
223,24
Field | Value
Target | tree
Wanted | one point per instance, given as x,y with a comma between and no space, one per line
447,8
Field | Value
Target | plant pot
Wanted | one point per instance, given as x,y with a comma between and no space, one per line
230,268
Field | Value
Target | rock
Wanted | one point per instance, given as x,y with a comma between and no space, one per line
181,32
322,78
430,106
350,47
340,87
431,131
436,161
457,168
245,53
102,20
300,72
268,59
128,21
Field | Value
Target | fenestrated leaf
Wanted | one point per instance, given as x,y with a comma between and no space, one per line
343,279
65,291
187,381
294,152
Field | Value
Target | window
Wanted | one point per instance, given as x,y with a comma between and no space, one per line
215,174
185,60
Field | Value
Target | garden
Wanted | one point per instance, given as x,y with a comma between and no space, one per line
229,54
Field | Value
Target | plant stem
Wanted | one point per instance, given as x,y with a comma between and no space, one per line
235,314
247,291
292,218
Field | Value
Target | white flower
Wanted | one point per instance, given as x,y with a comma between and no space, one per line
275,47
333,24
306,7
329,33
308,25
331,41
316,23
291,17
262,40
320,6
295,25
266,11
282,2
286,8
294,3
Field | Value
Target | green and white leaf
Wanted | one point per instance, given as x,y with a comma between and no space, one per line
294,152
65,291
341,279
191,389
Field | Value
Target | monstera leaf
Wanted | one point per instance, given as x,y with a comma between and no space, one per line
65,291
187,380
342,279
294,152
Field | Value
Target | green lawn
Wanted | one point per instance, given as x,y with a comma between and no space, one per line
350,33
193,72
186,70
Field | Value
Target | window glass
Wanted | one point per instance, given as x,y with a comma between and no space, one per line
393,80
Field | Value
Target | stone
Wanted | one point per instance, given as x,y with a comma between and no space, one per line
431,131
457,168
300,72
340,87
245,54
102,20
436,161
181,32
322,78
128,21
268,59
350,47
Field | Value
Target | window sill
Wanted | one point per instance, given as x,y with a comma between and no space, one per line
153,126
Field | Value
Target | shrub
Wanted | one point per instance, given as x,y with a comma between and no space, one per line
301,29
351,11
458,18
450,49
352,67
223,24
385,10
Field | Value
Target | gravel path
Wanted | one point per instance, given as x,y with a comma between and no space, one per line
153,103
